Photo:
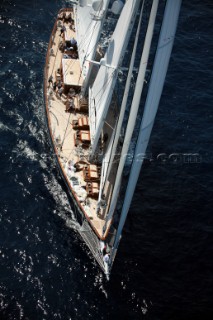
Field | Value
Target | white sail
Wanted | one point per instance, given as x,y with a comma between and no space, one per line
88,28
135,104
125,95
105,164
101,92
160,67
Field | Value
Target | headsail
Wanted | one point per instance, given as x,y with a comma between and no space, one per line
101,92
135,104
125,95
160,67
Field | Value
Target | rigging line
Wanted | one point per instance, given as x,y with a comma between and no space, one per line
110,153
95,109
84,40
109,79
87,50
54,116
92,30
92,35
161,56
65,131
105,85
87,53
156,48
133,113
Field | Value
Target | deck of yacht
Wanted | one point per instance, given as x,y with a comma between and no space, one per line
67,114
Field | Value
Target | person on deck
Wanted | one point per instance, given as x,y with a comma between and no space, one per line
68,17
106,258
54,85
73,43
63,29
60,91
61,46
71,93
50,80
69,105
59,85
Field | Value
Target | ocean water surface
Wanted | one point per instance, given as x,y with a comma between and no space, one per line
163,269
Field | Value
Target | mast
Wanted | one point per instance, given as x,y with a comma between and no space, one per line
160,67
135,105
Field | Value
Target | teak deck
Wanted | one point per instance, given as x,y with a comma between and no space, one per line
67,116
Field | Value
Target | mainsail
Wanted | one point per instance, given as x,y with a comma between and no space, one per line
160,67
100,94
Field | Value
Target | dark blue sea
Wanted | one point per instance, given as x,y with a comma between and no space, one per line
164,266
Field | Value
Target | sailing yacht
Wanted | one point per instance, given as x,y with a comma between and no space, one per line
85,118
